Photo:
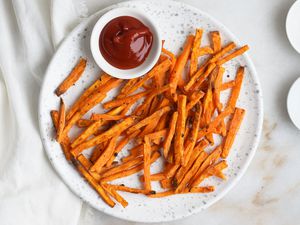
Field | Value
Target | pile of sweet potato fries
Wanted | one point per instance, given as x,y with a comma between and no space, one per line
179,116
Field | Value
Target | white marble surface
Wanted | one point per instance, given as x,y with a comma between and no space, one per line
269,192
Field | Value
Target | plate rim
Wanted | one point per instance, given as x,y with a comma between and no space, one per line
244,167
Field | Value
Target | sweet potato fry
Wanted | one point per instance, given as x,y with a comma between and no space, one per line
233,129
154,177
118,128
146,105
65,145
87,164
120,146
112,192
194,52
196,152
236,53
94,184
227,85
124,166
172,57
149,119
161,194
106,117
72,77
211,158
129,84
147,153
125,100
212,126
191,141
205,51
160,68
162,124
199,78
158,135
194,99
83,123
105,156
103,79
188,176
216,40
131,171
96,99
61,121
130,190
236,90
202,189
180,128
180,64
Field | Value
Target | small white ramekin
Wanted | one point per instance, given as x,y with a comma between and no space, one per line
152,56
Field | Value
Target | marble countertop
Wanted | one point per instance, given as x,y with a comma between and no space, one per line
269,192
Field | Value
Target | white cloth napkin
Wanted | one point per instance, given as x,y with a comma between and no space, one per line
31,193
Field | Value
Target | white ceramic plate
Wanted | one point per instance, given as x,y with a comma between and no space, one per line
176,20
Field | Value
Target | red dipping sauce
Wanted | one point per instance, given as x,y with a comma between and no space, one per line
125,42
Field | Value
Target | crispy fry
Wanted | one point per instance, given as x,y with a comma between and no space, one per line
112,192
129,84
65,145
233,129
236,53
131,171
105,156
83,123
179,131
72,77
196,152
147,103
130,190
191,172
154,177
168,140
212,157
118,128
194,53
160,68
236,90
212,126
166,183
147,153
61,121
199,78
125,100
120,146
202,189
103,79
172,56
205,51
97,98
94,184
194,99
95,126
149,119
124,166
227,85
162,194
87,164
216,40
106,117
180,64
191,141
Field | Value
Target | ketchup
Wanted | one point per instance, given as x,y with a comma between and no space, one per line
125,42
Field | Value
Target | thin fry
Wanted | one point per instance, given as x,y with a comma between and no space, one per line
72,77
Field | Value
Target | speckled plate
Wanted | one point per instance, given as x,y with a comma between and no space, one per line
175,21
